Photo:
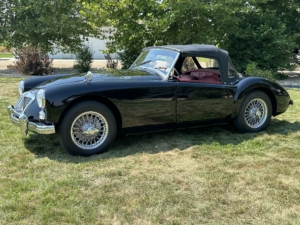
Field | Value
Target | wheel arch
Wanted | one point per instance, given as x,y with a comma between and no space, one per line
240,98
271,96
96,98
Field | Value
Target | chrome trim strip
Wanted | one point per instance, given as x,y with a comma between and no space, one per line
25,125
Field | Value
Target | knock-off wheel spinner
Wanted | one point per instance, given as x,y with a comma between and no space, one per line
89,130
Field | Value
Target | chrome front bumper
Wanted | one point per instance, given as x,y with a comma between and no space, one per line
22,121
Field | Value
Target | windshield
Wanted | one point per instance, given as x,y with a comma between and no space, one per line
159,60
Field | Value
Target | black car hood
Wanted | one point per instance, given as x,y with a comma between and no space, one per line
105,77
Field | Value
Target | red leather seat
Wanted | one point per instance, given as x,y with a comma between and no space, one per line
201,76
185,77
210,79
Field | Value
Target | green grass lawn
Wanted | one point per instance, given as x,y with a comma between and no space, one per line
6,55
211,175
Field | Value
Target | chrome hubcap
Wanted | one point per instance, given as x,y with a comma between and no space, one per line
89,130
256,113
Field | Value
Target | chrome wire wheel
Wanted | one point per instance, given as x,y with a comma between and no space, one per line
256,113
89,130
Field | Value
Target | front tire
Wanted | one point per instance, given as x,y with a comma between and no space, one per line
88,128
255,113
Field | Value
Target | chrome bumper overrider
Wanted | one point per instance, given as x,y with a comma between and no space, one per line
22,121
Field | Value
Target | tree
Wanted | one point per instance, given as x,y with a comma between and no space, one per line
288,11
44,24
206,21
139,23
134,25
265,36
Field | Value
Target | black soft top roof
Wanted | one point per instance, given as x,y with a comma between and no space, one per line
195,50
201,50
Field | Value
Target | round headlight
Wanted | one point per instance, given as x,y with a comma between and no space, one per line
21,87
40,98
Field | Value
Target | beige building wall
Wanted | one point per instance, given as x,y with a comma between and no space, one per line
97,46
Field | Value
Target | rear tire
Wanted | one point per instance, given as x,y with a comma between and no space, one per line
88,128
255,113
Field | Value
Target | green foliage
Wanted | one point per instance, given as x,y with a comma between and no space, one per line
138,24
287,11
84,59
135,26
127,57
261,37
264,31
190,21
32,61
252,70
261,31
44,24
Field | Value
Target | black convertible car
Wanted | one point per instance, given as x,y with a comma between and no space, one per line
167,87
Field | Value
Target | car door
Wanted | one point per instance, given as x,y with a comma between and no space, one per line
146,106
198,101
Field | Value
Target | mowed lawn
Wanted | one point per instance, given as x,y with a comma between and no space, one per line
211,175
6,55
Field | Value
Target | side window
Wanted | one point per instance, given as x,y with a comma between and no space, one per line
208,63
188,64
231,70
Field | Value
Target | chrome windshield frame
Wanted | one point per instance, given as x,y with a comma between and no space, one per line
172,66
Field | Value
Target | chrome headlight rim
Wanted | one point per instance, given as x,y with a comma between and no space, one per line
21,87
41,98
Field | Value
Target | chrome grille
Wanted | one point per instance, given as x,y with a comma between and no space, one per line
24,101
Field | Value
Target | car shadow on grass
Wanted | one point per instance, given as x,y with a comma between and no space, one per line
153,143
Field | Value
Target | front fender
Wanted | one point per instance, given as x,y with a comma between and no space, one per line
58,99
277,94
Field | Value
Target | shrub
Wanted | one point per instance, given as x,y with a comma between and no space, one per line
31,61
251,69
113,64
127,57
84,59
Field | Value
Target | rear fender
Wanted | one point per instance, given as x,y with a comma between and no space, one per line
251,84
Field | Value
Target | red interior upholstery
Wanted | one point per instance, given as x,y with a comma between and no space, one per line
210,79
186,77
201,76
